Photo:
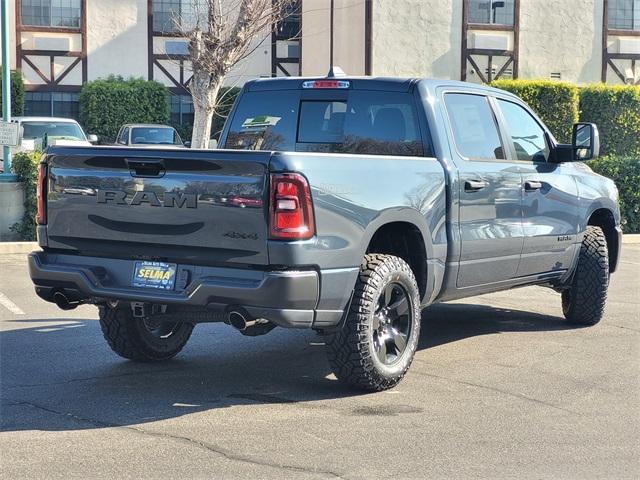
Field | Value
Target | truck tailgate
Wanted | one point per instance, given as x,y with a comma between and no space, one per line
179,205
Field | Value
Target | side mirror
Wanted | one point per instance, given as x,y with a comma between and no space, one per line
213,143
92,138
585,141
187,143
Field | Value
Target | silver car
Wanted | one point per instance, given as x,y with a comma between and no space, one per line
148,135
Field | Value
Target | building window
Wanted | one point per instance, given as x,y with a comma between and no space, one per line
181,108
624,14
492,12
289,27
169,16
52,104
51,13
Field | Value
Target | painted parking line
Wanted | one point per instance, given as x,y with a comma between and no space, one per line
9,305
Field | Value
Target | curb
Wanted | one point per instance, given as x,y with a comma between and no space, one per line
8,248
12,248
631,238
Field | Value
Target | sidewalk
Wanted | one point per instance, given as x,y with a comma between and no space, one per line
7,248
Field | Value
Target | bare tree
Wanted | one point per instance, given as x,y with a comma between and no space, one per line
220,34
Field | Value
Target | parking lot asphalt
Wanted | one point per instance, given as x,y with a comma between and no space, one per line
501,387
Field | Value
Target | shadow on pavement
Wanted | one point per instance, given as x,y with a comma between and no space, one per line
62,376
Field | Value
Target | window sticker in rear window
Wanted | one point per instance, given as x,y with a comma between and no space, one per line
260,123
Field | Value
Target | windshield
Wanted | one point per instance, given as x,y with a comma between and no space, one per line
32,130
155,136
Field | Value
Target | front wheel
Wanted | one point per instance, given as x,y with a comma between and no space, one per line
583,303
375,347
142,339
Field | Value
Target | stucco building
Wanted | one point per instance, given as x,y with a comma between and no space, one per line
60,44
579,41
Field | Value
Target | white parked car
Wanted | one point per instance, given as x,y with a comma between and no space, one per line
59,131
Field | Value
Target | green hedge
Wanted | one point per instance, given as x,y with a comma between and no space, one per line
17,94
25,165
556,103
625,172
105,105
616,111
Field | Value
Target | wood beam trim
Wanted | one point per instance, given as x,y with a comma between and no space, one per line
168,75
67,70
477,68
37,70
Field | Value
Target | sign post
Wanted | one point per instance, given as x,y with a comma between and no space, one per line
8,131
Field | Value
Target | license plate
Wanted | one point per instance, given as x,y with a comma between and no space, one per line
155,275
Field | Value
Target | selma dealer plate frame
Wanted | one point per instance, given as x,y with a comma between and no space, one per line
158,275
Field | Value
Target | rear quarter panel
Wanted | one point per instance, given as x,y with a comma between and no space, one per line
354,195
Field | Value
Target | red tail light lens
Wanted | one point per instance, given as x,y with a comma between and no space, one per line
41,193
326,84
291,211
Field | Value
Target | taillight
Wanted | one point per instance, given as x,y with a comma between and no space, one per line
41,193
291,212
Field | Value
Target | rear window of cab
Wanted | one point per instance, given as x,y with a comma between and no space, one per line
362,121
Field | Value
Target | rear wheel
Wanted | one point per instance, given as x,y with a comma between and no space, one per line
583,303
376,346
143,339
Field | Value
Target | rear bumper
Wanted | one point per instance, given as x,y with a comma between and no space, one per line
287,298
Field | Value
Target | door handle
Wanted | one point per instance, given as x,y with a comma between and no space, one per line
532,185
474,185
145,168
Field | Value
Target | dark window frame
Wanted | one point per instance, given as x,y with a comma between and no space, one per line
159,27
492,13
183,112
512,56
615,6
58,101
49,25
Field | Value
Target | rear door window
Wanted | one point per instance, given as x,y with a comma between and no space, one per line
361,122
474,127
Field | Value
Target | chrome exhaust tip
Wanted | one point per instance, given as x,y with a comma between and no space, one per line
251,327
63,302
237,320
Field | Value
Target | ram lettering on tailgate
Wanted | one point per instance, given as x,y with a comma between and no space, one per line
170,199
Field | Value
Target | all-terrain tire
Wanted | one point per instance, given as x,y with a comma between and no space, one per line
351,351
583,303
131,338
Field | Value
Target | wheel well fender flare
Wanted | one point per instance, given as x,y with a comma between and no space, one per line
398,215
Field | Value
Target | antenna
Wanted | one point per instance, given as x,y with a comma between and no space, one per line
336,72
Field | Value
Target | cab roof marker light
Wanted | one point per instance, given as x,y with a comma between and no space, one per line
326,84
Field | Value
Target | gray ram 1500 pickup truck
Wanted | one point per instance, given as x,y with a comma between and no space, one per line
344,205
